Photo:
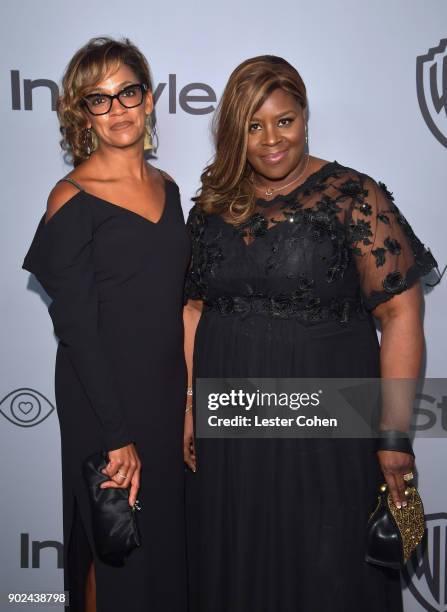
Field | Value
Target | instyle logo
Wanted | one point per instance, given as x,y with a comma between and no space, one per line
26,407
426,573
193,98
30,552
431,83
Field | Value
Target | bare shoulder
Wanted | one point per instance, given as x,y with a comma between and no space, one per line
61,193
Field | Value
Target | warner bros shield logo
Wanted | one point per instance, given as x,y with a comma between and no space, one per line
431,82
426,573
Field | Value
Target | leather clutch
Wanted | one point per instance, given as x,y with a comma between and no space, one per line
115,528
394,533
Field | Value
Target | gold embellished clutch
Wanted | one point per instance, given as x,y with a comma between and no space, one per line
394,533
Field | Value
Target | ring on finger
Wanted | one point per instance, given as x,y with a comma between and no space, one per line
121,475
409,476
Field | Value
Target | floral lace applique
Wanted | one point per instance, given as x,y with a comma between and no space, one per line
341,220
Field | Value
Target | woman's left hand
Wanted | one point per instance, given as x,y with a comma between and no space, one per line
394,465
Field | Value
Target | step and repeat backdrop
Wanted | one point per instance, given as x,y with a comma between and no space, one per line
376,74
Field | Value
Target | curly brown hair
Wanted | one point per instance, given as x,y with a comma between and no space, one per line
226,186
89,65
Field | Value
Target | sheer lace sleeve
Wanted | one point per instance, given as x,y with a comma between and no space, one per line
389,256
193,284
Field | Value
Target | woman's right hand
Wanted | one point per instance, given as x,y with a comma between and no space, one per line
123,469
189,453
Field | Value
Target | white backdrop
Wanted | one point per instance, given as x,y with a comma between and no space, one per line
358,60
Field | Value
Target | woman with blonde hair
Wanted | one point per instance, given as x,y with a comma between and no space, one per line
111,251
292,258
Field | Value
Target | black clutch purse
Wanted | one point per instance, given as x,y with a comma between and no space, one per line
115,528
394,533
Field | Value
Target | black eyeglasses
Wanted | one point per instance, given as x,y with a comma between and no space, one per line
129,97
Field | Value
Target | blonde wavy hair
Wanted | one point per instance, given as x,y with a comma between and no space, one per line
226,182
89,65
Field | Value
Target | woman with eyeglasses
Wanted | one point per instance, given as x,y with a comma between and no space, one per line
111,251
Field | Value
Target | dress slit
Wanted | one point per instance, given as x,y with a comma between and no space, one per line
79,559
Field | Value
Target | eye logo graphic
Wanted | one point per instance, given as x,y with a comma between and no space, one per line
26,407
426,573
431,83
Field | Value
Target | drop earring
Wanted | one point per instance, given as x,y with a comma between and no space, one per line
87,141
90,141
148,140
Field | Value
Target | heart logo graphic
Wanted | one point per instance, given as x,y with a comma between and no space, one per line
25,407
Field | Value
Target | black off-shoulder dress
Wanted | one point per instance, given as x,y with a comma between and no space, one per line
278,525
116,282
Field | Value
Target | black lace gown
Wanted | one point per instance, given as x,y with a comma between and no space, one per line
278,525
116,282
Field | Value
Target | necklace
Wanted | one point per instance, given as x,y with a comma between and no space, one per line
269,191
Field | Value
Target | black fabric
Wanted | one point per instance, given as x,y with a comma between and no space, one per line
116,280
63,262
395,441
79,560
115,523
280,525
